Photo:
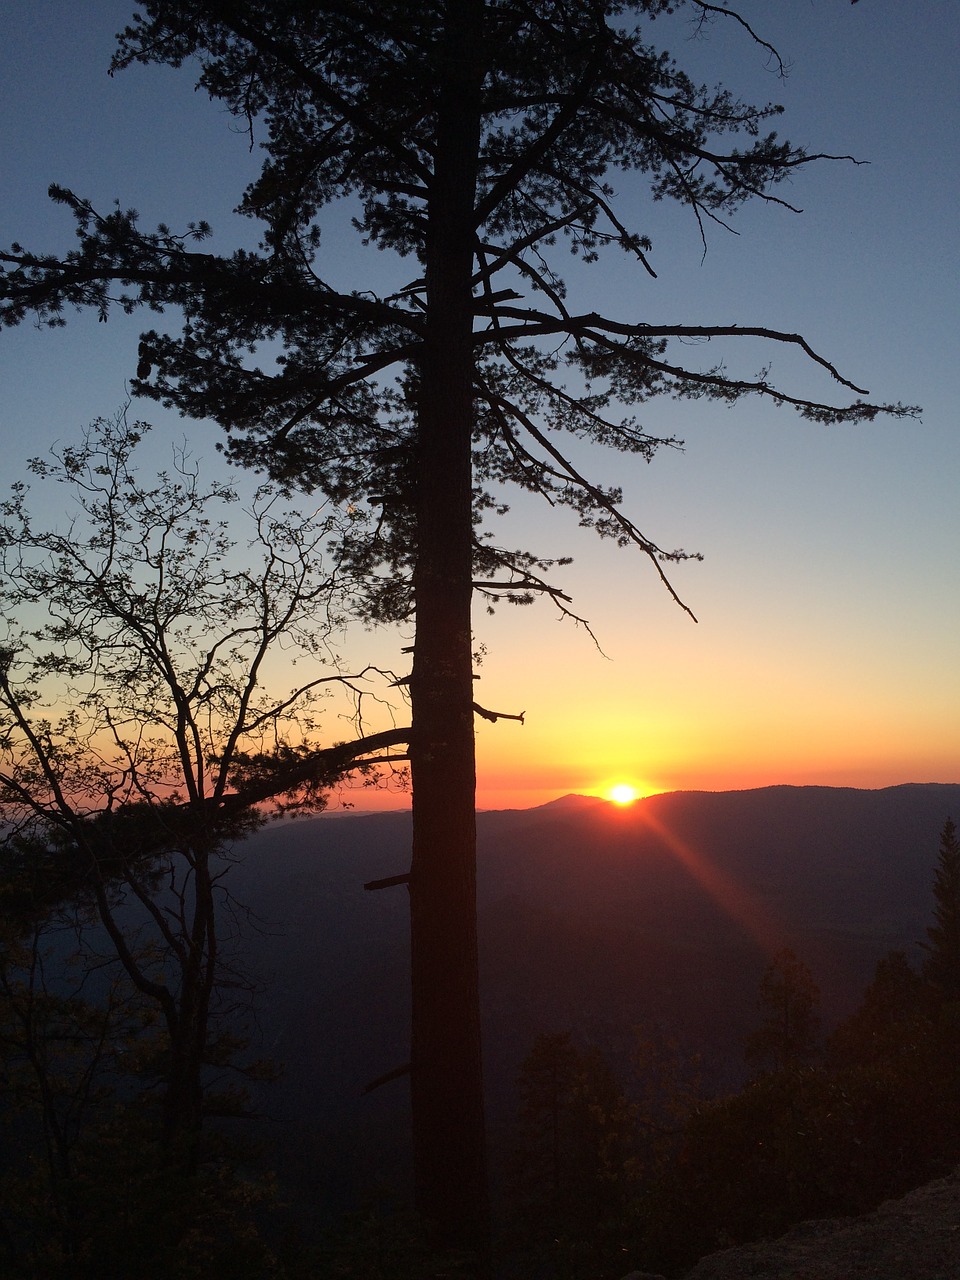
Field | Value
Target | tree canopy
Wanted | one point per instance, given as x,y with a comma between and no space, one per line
942,964
349,101
789,1000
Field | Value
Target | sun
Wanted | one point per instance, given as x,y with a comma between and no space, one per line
623,793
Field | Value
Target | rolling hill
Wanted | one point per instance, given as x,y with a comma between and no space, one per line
592,919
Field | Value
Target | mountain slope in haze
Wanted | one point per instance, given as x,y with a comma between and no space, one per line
592,918
668,911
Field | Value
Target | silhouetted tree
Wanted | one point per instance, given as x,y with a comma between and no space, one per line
788,1000
62,1054
897,1087
139,736
942,963
477,139
665,1086
546,1085
573,1164
895,1020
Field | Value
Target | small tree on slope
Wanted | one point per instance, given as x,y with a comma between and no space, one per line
139,734
789,1001
942,964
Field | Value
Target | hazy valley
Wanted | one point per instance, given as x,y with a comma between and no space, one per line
592,919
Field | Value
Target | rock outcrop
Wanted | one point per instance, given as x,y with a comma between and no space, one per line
914,1238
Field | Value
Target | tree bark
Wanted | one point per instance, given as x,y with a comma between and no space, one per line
446,1081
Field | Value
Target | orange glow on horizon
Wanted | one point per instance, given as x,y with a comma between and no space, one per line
621,789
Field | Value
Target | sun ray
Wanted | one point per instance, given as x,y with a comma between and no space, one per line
745,908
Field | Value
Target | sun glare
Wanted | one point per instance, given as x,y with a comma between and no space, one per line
623,793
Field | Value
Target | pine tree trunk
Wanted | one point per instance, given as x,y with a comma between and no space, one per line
446,1082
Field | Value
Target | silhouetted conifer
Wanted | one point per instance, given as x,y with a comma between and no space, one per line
788,1000
942,963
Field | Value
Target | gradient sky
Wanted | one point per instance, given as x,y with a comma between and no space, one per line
829,597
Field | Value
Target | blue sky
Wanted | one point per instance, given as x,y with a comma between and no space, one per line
829,597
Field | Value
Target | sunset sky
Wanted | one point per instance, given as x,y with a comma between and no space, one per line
829,596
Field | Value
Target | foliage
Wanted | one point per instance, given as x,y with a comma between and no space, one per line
666,1088
555,98
136,658
879,1114
942,965
789,1000
130,1215
573,1161
141,730
576,1137
895,1021
67,1051
591,1151
84,1187
875,1115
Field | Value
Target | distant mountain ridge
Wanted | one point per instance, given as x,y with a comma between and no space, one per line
593,917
